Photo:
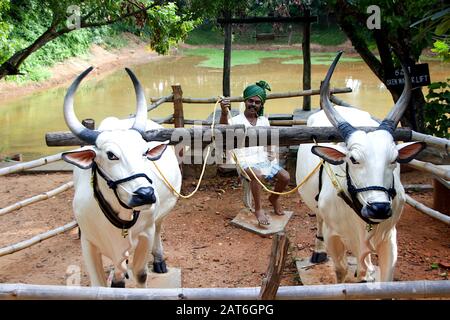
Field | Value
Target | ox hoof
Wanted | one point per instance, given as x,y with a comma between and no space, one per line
142,278
318,257
118,284
160,267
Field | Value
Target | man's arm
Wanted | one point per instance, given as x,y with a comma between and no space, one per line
225,104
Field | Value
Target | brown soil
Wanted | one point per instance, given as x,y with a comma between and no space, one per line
198,236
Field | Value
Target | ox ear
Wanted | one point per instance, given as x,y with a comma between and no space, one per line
82,159
156,149
408,151
329,154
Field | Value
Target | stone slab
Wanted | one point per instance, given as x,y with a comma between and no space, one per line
246,220
323,273
171,279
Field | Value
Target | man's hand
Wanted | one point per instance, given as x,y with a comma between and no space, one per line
225,104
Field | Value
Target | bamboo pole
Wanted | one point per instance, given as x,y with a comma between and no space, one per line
167,119
440,143
159,102
341,102
430,168
421,289
40,197
36,239
274,122
428,211
31,164
289,94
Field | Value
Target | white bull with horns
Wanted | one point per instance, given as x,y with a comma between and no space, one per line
360,217
120,200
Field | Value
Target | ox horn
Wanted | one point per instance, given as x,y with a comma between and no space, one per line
140,122
390,122
83,133
344,128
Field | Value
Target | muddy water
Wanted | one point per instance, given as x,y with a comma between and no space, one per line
24,121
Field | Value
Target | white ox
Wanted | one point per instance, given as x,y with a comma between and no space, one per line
120,201
368,162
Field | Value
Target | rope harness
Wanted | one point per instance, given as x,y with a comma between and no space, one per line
106,208
353,201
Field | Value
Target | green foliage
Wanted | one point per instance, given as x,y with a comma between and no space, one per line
442,49
167,27
25,21
239,57
437,109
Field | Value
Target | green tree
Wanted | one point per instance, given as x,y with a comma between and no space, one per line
60,17
394,41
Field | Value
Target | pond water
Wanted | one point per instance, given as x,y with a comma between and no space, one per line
24,121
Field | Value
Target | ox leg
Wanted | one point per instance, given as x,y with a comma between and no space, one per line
94,265
140,259
320,253
336,249
387,257
159,265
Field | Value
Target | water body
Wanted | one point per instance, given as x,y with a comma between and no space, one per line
24,121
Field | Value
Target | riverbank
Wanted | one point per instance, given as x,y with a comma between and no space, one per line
104,61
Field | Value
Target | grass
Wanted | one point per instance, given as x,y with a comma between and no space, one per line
214,57
323,36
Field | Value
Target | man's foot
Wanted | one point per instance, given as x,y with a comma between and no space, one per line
262,218
275,201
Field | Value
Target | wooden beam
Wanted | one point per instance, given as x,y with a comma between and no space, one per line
306,61
178,114
271,282
309,19
226,88
286,135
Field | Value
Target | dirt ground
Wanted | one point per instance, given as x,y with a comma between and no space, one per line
198,236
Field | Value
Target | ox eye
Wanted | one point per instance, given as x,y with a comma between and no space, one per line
353,160
111,156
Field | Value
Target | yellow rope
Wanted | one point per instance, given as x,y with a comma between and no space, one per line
171,187
275,192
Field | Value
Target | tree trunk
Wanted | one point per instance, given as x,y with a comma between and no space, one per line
11,66
401,45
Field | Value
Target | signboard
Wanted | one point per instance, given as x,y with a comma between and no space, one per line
419,73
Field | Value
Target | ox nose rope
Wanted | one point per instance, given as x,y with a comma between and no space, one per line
106,208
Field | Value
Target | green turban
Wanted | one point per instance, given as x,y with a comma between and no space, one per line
257,90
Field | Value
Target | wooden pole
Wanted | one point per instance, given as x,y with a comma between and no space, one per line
226,90
40,237
271,282
178,114
285,136
306,60
40,197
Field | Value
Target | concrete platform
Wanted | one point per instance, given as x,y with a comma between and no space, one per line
171,279
246,220
323,273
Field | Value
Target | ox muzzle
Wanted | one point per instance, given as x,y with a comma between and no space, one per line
140,197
